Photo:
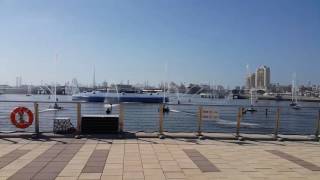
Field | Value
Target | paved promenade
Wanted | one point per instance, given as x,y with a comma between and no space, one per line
155,159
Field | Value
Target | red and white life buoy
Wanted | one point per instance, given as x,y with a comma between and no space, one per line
20,122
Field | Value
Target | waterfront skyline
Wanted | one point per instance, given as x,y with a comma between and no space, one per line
259,79
211,41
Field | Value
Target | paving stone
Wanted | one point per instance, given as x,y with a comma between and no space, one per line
12,156
96,162
46,168
301,162
201,161
160,159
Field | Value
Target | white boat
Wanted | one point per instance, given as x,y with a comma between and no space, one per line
251,109
296,107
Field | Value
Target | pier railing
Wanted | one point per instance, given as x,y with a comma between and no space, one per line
173,118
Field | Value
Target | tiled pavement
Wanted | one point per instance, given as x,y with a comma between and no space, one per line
155,159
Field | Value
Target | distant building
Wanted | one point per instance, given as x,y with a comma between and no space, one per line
262,79
251,81
248,83
5,89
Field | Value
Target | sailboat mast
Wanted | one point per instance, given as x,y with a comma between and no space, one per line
292,91
165,81
164,92
55,82
94,78
296,94
251,97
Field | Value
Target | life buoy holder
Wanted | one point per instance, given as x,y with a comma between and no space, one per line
17,117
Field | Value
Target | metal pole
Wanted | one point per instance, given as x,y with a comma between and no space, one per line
239,121
79,117
318,126
121,117
200,121
276,129
36,118
161,119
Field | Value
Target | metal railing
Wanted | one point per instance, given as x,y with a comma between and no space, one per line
162,118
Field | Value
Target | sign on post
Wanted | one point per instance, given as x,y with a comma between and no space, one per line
209,114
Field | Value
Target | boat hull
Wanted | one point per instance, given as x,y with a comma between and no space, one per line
95,99
112,98
143,99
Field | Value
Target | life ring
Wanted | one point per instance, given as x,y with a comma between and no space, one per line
20,122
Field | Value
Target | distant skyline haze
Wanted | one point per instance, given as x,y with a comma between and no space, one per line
155,40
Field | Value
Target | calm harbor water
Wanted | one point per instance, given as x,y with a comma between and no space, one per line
182,118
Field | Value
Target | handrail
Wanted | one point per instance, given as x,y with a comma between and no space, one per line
36,110
173,104
239,116
236,105
71,102
191,113
277,123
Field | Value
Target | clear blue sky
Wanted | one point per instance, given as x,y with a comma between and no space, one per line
202,41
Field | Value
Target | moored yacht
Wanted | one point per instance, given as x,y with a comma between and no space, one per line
113,97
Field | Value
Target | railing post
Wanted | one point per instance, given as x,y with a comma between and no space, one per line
79,118
317,126
200,121
121,118
36,118
161,121
277,124
239,122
